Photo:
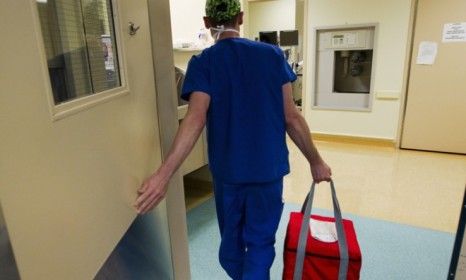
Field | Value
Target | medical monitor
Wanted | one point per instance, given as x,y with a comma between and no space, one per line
289,38
269,37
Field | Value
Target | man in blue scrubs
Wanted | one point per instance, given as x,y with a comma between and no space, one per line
242,91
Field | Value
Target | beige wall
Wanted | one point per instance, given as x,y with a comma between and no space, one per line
245,27
271,16
393,25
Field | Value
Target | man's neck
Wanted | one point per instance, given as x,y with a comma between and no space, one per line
229,34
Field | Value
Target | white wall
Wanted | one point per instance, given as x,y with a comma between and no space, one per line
393,19
186,18
271,15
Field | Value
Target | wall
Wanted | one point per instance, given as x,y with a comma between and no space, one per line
245,28
186,18
270,16
300,7
393,23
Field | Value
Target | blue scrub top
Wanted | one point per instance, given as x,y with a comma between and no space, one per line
246,127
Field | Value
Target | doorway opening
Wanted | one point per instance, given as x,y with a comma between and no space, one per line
189,39
288,33
198,187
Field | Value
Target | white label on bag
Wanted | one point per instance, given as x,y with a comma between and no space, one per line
323,231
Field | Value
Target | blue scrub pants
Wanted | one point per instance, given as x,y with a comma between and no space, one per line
248,217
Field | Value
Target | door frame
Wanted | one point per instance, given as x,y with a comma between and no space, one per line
407,71
167,108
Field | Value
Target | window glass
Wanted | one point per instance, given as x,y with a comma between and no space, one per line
80,46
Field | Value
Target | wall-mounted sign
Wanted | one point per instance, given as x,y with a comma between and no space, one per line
454,32
427,53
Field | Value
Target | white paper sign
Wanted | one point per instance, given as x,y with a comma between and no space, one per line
351,38
427,53
454,32
323,231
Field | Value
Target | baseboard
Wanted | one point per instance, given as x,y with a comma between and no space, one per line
354,140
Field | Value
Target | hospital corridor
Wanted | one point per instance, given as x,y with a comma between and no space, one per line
232,139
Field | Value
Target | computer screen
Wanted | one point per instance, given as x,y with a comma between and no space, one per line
289,38
270,37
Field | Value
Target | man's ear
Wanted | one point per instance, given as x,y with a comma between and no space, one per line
207,22
240,18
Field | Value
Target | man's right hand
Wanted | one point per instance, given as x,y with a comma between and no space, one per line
151,192
321,171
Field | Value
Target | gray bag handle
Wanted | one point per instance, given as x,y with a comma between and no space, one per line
343,246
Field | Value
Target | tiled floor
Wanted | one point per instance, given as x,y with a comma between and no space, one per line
410,187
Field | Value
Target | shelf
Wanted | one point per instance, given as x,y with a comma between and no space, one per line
196,192
188,49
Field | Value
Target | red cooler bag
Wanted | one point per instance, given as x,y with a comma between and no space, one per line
308,258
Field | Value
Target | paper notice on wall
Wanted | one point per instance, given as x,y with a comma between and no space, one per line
427,53
351,38
454,32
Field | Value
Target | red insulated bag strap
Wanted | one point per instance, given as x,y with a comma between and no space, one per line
343,246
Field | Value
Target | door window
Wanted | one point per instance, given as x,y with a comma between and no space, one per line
80,46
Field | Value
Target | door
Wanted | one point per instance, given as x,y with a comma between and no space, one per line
436,100
79,131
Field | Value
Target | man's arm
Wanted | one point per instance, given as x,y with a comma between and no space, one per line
154,188
298,130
